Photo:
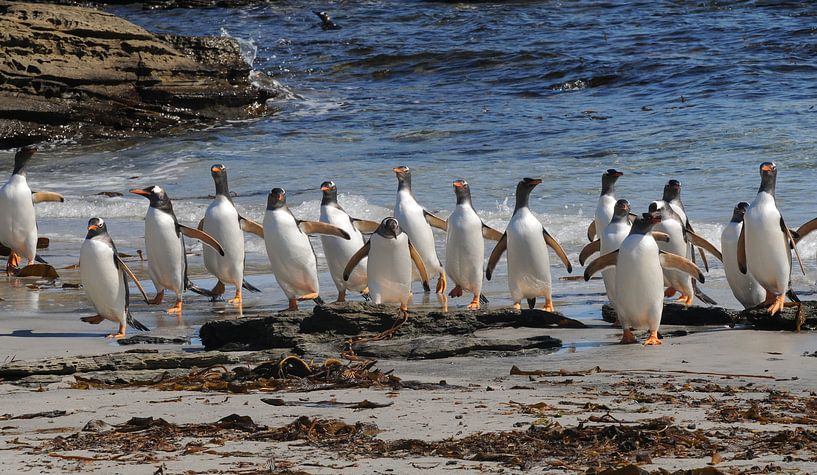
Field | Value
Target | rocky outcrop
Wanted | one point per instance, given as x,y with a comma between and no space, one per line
78,73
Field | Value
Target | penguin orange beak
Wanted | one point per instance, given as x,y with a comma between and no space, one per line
536,181
93,227
767,167
326,188
396,170
617,174
217,169
137,191
459,184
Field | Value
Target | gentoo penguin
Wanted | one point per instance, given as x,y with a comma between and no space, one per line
338,250
326,21
526,241
391,255
672,195
164,242
745,288
465,246
607,201
639,281
765,243
225,225
18,225
416,222
289,250
105,279
611,239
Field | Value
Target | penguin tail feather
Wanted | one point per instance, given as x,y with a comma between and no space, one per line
483,299
189,285
318,300
532,302
702,296
136,324
250,287
39,259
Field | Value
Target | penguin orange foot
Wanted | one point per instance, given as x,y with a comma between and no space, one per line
237,300
13,262
777,305
176,308
158,298
474,305
628,337
441,283
517,306
653,339
118,335
548,307
685,299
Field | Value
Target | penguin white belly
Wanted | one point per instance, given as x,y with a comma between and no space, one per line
221,222
639,284
604,212
389,270
676,279
18,225
465,249
338,251
768,256
745,288
165,251
611,239
410,216
102,281
528,261
290,254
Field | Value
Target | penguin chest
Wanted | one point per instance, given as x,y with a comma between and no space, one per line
639,283
338,251
221,222
102,280
290,254
165,251
675,278
744,287
528,261
18,226
611,239
413,222
390,269
768,256
604,212
465,248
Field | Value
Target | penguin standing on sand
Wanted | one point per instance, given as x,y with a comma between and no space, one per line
164,242
289,250
225,225
105,279
765,243
639,278
609,240
18,223
416,222
526,241
465,246
339,250
392,258
606,203
744,287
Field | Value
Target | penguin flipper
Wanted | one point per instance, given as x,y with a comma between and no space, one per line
435,221
499,249
602,262
355,259
703,244
742,250
43,196
418,262
557,248
589,250
136,324
676,262
806,229
249,286
364,225
591,231
250,226
129,273
659,236
701,295
201,236
317,227
189,285
790,239
200,226
490,233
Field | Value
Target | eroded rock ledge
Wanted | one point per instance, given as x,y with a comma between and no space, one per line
77,73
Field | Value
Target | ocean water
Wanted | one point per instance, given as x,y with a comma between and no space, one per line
702,92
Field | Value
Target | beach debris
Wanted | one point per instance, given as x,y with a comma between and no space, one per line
515,371
153,340
34,415
364,404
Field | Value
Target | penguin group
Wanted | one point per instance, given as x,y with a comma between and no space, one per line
643,258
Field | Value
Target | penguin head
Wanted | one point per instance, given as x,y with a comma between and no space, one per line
219,173
403,177
157,196
462,191
621,209
330,192
96,227
739,211
768,177
22,157
644,223
608,180
389,228
277,198
672,190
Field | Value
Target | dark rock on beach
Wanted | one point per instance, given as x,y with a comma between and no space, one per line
78,73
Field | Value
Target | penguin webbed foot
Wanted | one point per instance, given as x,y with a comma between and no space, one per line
628,338
118,335
653,339
160,296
